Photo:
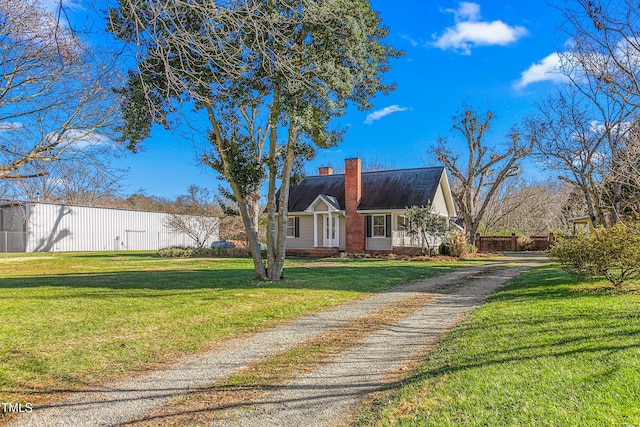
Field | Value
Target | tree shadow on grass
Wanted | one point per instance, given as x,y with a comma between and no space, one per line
128,254
545,282
370,278
361,275
537,322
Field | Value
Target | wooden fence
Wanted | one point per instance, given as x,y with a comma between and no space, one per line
513,243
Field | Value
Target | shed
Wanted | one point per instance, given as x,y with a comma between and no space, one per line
583,223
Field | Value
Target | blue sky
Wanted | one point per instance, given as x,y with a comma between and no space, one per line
497,55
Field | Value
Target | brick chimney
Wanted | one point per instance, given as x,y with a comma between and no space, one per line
325,170
355,222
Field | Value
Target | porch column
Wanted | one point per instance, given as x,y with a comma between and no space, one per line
315,230
330,230
338,230
394,234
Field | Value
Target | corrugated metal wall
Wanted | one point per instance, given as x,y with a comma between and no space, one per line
53,227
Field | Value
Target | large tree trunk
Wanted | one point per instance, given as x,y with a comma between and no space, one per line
251,228
472,230
272,236
278,218
248,209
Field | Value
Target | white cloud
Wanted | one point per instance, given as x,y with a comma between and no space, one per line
412,41
470,31
83,139
377,115
546,70
9,126
466,12
620,129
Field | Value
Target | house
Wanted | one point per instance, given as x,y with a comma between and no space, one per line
28,226
360,211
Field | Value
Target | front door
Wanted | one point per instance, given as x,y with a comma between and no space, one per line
329,231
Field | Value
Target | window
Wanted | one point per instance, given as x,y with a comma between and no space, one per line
379,226
291,226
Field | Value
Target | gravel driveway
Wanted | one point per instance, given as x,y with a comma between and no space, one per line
324,396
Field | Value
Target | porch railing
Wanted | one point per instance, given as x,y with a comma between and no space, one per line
405,239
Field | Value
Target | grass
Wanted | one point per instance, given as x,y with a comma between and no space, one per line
545,351
72,321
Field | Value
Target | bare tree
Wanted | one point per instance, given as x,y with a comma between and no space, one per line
195,215
477,179
602,62
530,209
200,228
94,181
139,200
232,228
375,163
583,138
55,93
501,207
369,164
623,183
604,51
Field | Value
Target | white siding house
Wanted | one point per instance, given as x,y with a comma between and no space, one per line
363,211
44,227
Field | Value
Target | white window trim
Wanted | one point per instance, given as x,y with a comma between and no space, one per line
384,226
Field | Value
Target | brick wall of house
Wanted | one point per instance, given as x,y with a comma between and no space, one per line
355,222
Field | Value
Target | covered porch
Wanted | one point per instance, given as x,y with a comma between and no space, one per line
328,223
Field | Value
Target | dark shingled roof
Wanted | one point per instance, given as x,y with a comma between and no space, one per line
381,190
303,194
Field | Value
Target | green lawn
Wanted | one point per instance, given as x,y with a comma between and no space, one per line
70,321
546,351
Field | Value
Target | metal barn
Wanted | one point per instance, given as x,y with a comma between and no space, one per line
45,227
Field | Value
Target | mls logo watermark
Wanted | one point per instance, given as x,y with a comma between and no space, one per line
10,407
